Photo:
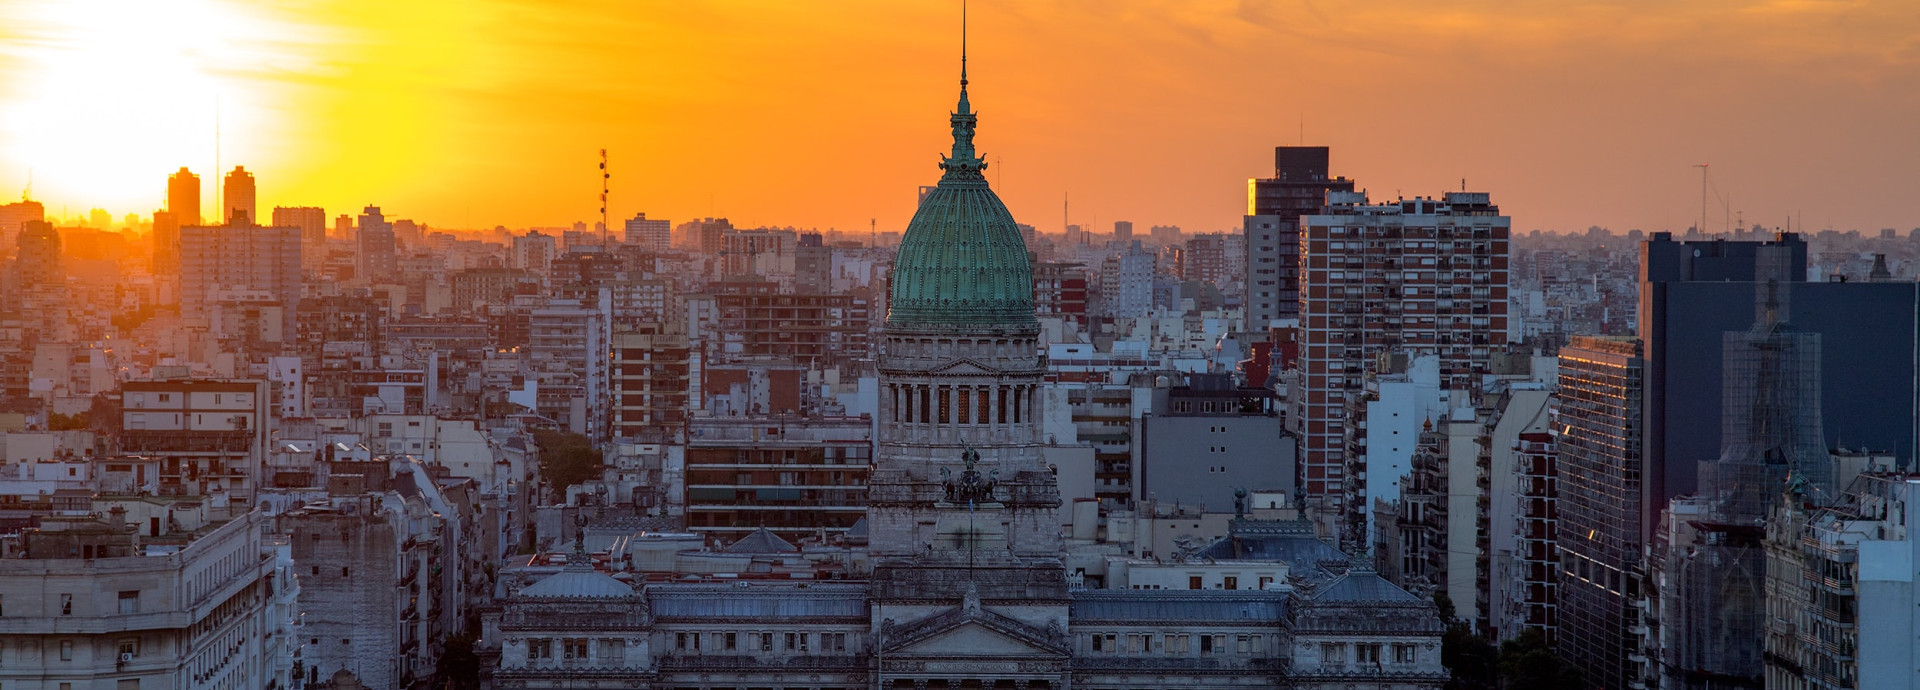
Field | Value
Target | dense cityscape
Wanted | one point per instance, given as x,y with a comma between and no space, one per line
1359,441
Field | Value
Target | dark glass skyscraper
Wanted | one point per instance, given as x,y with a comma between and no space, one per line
1601,531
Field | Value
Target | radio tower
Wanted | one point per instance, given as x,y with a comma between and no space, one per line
604,177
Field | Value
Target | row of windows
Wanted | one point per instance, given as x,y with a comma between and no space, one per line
694,642
1206,645
1365,653
126,647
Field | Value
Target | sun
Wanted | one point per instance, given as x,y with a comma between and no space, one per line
105,98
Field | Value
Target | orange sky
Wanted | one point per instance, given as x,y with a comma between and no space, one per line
825,114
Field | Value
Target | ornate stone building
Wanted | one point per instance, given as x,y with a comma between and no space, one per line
967,587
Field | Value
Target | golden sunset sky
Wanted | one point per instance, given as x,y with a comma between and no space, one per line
472,113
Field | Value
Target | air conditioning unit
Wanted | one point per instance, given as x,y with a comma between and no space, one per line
126,657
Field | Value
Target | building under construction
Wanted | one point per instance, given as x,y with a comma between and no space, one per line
1708,558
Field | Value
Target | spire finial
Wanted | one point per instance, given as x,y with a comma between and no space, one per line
964,163
963,45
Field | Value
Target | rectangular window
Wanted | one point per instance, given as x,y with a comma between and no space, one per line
732,642
926,405
66,605
130,601
1193,582
66,651
1136,644
576,648
540,649
985,400
127,684
1206,644
946,405
1333,653
1244,644
1231,582
1403,654
766,642
1367,653
966,406
1096,643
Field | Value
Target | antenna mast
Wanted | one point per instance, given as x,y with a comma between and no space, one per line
604,177
1702,229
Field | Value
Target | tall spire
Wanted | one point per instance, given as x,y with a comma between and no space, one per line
963,164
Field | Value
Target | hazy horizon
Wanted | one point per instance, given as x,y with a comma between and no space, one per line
830,115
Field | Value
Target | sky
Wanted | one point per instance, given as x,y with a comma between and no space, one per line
475,113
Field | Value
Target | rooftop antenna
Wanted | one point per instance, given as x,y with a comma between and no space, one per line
27,194
604,177
1702,229
219,189
873,233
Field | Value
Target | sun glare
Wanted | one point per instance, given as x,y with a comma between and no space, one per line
110,96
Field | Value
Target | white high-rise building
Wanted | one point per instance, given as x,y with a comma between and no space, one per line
235,257
654,235
378,261
571,348
1126,282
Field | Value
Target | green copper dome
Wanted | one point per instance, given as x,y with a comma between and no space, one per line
962,260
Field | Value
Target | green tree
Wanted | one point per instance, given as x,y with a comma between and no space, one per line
459,666
566,459
68,422
1526,663
1473,662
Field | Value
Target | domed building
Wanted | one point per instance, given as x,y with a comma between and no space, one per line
967,585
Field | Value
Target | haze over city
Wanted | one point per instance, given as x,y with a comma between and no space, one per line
475,114
948,345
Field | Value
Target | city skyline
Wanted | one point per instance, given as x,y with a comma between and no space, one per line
495,114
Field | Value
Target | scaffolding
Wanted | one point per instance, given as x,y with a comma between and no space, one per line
1714,598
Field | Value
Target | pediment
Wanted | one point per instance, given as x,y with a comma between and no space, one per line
971,639
963,367
972,631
